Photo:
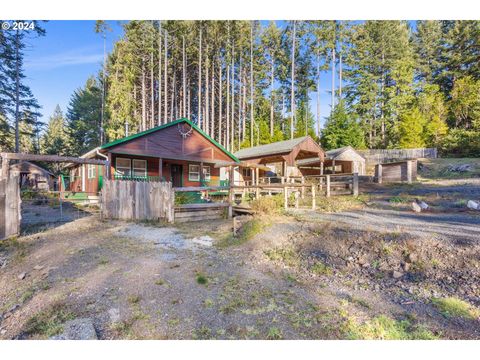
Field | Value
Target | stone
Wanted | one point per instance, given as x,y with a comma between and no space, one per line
38,267
460,168
22,276
350,259
412,257
416,207
423,205
473,205
77,329
3,331
397,274
406,267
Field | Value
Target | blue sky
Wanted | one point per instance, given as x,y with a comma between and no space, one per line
71,51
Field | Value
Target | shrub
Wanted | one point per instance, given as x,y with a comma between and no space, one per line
268,204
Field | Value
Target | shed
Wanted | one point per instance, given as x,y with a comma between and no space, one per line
33,176
343,160
281,157
399,171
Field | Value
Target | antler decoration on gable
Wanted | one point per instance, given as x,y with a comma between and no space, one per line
185,134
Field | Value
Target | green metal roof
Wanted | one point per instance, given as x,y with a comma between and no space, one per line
278,147
164,126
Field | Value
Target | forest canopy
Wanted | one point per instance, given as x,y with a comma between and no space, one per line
394,84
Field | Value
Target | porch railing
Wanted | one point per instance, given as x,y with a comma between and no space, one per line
139,178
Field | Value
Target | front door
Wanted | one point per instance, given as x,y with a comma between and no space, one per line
177,173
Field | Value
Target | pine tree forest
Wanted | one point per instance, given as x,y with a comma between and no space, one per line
394,84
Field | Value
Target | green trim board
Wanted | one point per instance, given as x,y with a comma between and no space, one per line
164,126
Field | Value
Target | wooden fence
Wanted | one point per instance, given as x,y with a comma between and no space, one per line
379,156
10,202
138,200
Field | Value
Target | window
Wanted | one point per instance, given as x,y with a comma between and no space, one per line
139,167
123,167
247,172
193,172
206,173
91,171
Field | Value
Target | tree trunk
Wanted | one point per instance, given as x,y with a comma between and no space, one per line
318,92
333,78
160,122
292,91
232,126
17,91
252,122
207,94
220,138
152,93
212,98
199,100
184,112
165,82
244,105
272,77
144,100
227,132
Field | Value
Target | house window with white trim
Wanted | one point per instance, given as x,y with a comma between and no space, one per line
139,167
193,172
123,167
206,173
91,171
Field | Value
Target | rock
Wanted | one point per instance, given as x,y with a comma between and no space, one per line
38,267
350,259
423,205
473,205
460,168
412,257
77,329
377,287
406,267
397,274
114,315
416,207
3,331
21,276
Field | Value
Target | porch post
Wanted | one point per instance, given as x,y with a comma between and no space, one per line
321,167
109,167
160,168
333,166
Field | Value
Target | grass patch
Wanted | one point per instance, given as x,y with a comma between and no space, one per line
274,334
201,279
286,255
385,328
134,299
454,307
48,322
320,268
340,203
246,233
159,282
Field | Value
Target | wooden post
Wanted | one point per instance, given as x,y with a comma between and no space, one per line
234,226
5,168
333,166
303,188
297,198
109,167
160,168
355,184
328,185
285,196
313,198
379,173
257,178
321,167
409,171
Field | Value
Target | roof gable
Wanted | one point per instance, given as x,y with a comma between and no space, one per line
127,139
278,147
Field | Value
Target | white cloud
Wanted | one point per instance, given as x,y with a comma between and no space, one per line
69,58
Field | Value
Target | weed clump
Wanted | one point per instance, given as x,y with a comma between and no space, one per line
48,322
454,307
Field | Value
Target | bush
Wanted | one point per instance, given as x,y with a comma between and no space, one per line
461,143
268,204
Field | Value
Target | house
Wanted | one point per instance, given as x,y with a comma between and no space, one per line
344,160
33,176
178,151
280,157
